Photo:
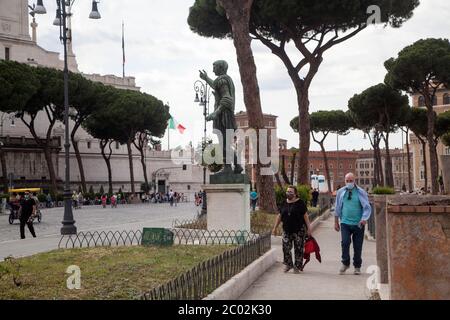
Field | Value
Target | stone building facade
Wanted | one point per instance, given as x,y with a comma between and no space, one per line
420,156
25,162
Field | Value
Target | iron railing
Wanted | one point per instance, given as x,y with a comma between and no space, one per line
204,278
130,238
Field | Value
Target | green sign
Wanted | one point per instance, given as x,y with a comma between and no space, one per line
157,236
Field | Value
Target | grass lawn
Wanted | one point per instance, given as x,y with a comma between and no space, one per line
106,272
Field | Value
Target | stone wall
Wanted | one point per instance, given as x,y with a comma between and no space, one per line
419,251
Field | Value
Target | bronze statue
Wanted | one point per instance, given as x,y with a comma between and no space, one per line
223,115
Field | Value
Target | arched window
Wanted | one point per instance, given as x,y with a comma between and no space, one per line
435,100
446,98
421,101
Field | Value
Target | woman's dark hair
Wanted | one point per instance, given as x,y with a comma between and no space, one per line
295,189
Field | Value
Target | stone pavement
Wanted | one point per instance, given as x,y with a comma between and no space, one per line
89,218
319,281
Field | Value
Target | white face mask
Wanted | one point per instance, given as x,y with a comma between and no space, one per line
350,185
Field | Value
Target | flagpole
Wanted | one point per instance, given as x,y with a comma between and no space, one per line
123,50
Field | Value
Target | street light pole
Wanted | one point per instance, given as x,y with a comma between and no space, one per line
205,93
61,21
68,221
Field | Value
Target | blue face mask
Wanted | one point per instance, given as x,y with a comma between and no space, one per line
350,185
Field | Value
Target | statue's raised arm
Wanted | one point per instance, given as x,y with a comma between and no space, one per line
204,76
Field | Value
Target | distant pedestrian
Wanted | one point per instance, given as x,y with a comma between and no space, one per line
80,200
104,199
114,201
296,225
253,199
353,210
171,197
27,212
48,199
315,197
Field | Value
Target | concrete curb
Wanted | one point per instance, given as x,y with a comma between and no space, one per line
384,292
236,286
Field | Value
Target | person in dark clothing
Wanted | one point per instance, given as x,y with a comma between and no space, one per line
27,211
296,225
315,198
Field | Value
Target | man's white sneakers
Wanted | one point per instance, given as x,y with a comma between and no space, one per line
343,269
357,271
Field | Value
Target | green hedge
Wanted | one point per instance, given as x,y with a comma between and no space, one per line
304,193
383,190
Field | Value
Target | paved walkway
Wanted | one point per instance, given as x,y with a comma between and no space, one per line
90,218
319,281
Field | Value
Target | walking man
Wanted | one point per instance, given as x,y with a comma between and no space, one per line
27,212
353,210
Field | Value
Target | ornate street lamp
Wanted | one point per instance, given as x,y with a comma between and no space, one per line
62,13
204,90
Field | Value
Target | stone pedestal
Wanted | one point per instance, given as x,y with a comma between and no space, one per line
419,251
380,202
228,206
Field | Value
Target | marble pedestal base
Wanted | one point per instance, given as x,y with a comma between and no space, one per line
228,207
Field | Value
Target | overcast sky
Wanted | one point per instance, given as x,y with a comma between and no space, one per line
164,56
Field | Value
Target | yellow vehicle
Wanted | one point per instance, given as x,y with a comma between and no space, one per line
14,203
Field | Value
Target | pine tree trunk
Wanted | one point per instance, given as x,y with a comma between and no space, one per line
4,171
107,159
410,187
434,170
238,14
388,165
51,169
283,170
425,167
327,169
294,155
144,166
130,161
78,156
304,134
277,178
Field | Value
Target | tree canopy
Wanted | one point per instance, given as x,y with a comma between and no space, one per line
421,67
288,20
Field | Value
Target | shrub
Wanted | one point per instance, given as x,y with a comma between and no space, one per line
42,197
383,190
59,197
304,193
102,191
4,196
91,189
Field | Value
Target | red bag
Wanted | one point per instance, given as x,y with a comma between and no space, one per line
311,246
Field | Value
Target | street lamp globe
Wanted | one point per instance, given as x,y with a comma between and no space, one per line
94,13
39,8
57,21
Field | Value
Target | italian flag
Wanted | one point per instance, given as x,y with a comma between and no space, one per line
173,124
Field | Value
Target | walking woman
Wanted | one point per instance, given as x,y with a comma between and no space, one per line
296,225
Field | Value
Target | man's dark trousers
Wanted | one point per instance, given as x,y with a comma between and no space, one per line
356,234
23,222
